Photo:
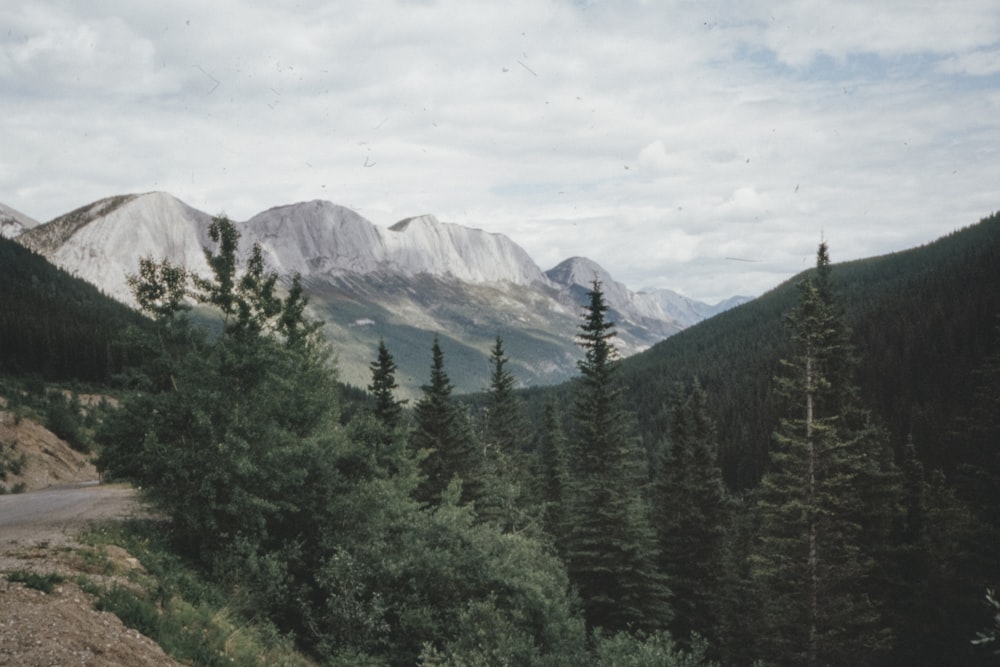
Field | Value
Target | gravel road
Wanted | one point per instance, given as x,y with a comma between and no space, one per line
53,515
39,629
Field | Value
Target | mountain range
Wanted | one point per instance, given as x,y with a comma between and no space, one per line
404,284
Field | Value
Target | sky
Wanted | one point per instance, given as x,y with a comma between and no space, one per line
701,146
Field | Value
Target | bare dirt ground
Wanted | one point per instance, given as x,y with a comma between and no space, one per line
38,533
47,460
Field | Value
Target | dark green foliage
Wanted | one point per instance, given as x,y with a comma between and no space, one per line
45,583
609,545
553,475
442,437
690,515
54,325
63,416
505,428
655,650
192,617
218,416
387,409
990,638
415,580
10,462
505,465
923,319
316,525
814,557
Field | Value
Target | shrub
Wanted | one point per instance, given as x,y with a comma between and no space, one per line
40,582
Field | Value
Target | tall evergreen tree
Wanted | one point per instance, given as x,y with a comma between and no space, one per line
610,545
443,436
505,471
811,559
690,516
505,427
553,475
387,409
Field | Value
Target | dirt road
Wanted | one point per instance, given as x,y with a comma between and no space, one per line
37,533
53,515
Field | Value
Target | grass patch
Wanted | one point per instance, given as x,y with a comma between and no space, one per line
192,619
40,582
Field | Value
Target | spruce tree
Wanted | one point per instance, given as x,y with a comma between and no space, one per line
443,437
553,476
504,498
690,515
387,409
505,427
610,546
813,557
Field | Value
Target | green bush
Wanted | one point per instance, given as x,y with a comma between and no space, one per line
9,463
63,418
40,582
190,617
655,650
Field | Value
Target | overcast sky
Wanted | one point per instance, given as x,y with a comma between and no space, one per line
699,146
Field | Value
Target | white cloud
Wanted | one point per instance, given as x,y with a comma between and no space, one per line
655,138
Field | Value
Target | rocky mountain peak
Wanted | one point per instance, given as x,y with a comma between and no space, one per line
14,223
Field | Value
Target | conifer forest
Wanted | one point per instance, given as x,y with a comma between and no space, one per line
812,478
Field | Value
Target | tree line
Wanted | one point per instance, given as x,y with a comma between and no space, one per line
55,326
438,535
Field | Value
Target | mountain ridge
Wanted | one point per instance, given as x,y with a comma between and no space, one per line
13,222
479,284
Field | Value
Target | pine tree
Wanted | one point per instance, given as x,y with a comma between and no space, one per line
690,516
610,545
505,427
387,409
442,435
813,556
504,498
554,472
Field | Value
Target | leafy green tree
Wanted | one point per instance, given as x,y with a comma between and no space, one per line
815,571
442,436
610,546
407,583
238,438
221,433
656,650
691,515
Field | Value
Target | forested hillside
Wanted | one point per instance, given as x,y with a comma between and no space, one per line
809,479
922,322
54,325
